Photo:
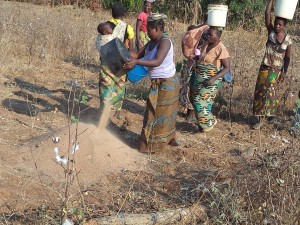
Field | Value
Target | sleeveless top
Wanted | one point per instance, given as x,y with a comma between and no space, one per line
166,69
275,51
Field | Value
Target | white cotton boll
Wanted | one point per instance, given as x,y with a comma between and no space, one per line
56,139
75,148
64,161
58,159
61,160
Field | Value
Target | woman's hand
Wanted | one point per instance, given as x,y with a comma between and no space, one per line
211,81
129,65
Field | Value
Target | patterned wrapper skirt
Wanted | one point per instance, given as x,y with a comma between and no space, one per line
184,97
160,115
203,95
266,101
111,88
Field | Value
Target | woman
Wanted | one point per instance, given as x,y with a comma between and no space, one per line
273,68
141,25
118,12
191,45
161,110
112,86
206,79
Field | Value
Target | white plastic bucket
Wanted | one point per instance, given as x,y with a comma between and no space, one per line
217,15
285,8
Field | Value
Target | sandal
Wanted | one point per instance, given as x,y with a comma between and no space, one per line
211,127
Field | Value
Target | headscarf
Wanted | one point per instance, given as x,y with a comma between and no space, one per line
156,16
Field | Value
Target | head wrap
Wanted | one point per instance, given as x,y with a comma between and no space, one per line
156,16
218,28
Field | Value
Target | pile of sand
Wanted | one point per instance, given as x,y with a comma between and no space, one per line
99,154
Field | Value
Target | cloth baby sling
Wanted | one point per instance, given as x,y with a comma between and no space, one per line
118,32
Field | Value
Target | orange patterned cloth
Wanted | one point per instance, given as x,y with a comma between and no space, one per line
190,41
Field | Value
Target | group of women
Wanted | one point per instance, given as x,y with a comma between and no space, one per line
156,51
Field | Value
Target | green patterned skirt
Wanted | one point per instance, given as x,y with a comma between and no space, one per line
203,95
144,38
265,96
111,88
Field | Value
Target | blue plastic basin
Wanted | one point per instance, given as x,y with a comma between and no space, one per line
137,73
228,77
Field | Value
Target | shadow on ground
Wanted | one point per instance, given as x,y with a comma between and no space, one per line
84,65
33,99
133,107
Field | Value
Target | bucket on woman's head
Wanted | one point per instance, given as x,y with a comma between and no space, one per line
285,8
217,15
115,54
137,73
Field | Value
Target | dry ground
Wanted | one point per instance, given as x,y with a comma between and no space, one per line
242,176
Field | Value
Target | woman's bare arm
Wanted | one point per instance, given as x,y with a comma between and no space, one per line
268,21
162,51
137,33
226,67
286,63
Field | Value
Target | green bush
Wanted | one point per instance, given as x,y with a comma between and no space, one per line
130,5
186,11
246,14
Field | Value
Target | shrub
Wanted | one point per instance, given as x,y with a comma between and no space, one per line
130,5
186,11
246,14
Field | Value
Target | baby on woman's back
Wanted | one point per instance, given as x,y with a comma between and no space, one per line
104,28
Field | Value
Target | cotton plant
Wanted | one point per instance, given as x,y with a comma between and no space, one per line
61,159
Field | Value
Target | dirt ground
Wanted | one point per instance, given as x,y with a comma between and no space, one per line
111,176
110,166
